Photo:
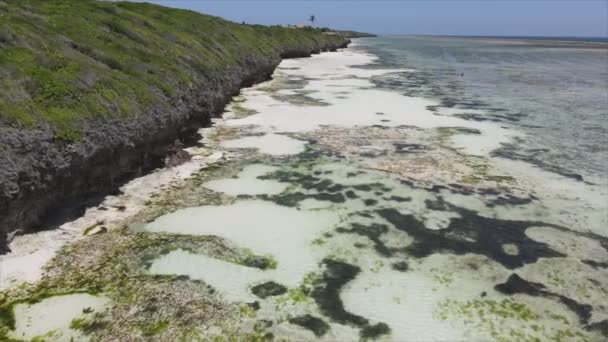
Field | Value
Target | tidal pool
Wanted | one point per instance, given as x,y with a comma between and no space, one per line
281,233
274,144
248,182
53,317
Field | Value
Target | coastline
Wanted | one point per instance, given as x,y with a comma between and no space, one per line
392,154
45,179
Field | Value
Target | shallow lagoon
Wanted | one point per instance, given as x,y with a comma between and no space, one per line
345,210
392,256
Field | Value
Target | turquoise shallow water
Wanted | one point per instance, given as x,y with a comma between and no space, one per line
558,96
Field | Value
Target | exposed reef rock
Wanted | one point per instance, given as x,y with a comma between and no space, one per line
87,104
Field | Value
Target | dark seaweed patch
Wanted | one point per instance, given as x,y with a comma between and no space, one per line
493,196
268,289
287,200
294,198
254,305
401,266
508,199
376,330
351,194
364,214
510,151
258,261
335,188
369,202
517,285
354,174
327,293
312,323
334,198
409,148
327,296
371,187
595,264
472,233
461,130
601,326
326,189
437,204
398,199
372,232
488,117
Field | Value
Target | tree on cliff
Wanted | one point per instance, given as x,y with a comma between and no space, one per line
312,19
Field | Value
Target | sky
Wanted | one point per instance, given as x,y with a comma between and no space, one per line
434,17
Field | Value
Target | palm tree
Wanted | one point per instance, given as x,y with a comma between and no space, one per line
312,19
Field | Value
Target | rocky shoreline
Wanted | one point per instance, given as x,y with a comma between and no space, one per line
40,177
388,230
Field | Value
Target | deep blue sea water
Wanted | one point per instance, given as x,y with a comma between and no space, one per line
557,95
551,38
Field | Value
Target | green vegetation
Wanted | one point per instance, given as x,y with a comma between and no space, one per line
88,325
154,328
302,293
263,262
247,311
64,62
510,320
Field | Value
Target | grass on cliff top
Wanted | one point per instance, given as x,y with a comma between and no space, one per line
63,62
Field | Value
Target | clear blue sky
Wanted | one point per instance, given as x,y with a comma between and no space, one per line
448,17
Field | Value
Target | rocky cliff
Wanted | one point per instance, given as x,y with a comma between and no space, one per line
94,93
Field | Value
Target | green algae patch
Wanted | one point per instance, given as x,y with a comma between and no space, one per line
54,315
30,295
155,328
263,262
113,264
302,293
240,111
89,325
508,319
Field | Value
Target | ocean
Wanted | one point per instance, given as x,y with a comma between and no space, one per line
556,95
